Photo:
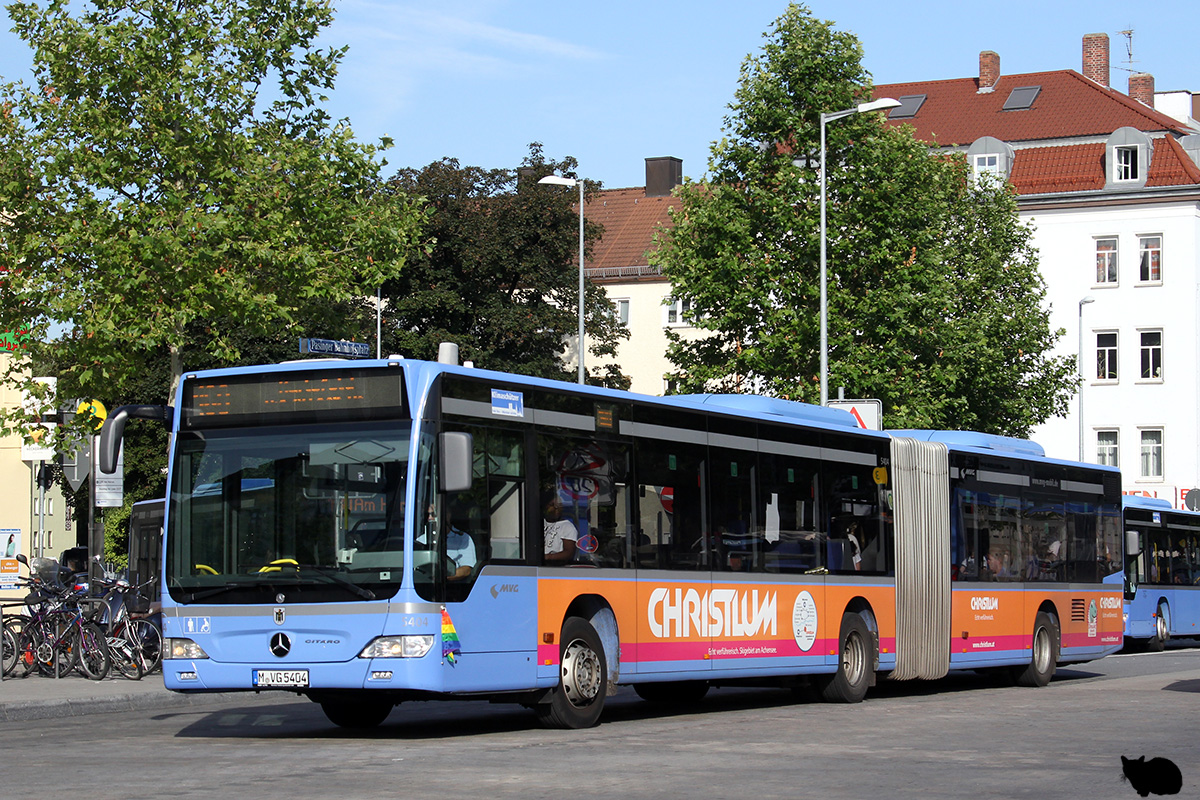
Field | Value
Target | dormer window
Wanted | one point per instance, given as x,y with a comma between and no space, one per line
987,166
1126,163
990,160
1127,153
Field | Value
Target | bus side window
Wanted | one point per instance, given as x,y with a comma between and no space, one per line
787,497
589,477
486,522
855,525
670,505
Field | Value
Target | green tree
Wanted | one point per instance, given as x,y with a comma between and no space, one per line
935,300
500,277
171,186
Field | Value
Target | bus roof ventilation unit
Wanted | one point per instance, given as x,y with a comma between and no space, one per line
775,407
976,441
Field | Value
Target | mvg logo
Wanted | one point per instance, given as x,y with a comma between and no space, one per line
504,588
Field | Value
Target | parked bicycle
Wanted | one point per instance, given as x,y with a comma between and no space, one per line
55,634
133,640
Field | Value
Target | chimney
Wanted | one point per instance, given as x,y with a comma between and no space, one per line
663,174
989,70
1141,87
1095,58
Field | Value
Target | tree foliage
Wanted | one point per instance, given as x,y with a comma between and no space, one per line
500,277
935,302
172,186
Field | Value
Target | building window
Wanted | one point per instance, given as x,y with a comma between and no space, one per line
1152,453
1108,448
987,168
1125,167
1106,356
1151,350
1106,260
1150,270
621,310
676,312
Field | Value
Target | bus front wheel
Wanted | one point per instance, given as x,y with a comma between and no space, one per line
1040,668
856,662
583,679
1162,631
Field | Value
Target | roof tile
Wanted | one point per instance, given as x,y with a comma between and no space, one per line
1068,106
630,220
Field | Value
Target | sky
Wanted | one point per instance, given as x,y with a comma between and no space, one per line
616,82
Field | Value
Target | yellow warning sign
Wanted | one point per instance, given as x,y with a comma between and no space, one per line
96,409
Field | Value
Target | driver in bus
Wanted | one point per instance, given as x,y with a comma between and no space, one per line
560,533
460,547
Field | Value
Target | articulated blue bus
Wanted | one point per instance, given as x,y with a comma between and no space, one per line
365,533
1162,573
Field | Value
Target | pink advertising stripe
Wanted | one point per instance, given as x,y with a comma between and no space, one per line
991,644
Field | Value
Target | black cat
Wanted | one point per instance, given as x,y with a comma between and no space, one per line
1156,776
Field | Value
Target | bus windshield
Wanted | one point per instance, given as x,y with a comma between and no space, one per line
310,514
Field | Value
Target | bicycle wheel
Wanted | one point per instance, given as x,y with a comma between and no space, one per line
149,639
94,659
126,656
9,639
55,646
26,661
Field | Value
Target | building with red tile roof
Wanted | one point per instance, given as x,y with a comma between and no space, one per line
1110,183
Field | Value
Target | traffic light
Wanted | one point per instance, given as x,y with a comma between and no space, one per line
45,477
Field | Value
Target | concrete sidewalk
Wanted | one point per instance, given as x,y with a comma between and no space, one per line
39,697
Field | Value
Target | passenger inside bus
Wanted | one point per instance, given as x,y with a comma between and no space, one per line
560,534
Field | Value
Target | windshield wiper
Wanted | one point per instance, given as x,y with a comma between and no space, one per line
332,575
216,590
324,572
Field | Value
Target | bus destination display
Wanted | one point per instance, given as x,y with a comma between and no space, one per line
289,397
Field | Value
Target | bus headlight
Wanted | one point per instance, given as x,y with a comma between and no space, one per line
412,646
183,648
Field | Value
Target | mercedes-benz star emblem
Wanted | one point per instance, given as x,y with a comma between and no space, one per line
281,645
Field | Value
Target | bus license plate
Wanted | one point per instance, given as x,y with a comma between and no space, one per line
281,677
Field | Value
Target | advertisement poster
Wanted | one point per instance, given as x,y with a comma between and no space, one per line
10,545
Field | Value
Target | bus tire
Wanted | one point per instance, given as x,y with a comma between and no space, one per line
1162,631
583,679
672,693
1046,639
856,663
358,714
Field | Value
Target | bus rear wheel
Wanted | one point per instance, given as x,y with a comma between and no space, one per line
1045,653
583,679
856,662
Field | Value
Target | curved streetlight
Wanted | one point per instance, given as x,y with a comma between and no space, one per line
555,180
875,105
1079,398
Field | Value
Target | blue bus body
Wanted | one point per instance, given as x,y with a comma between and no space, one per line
365,533
1162,572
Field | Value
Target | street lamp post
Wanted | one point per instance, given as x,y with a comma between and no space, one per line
1079,397
557,181
875,105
